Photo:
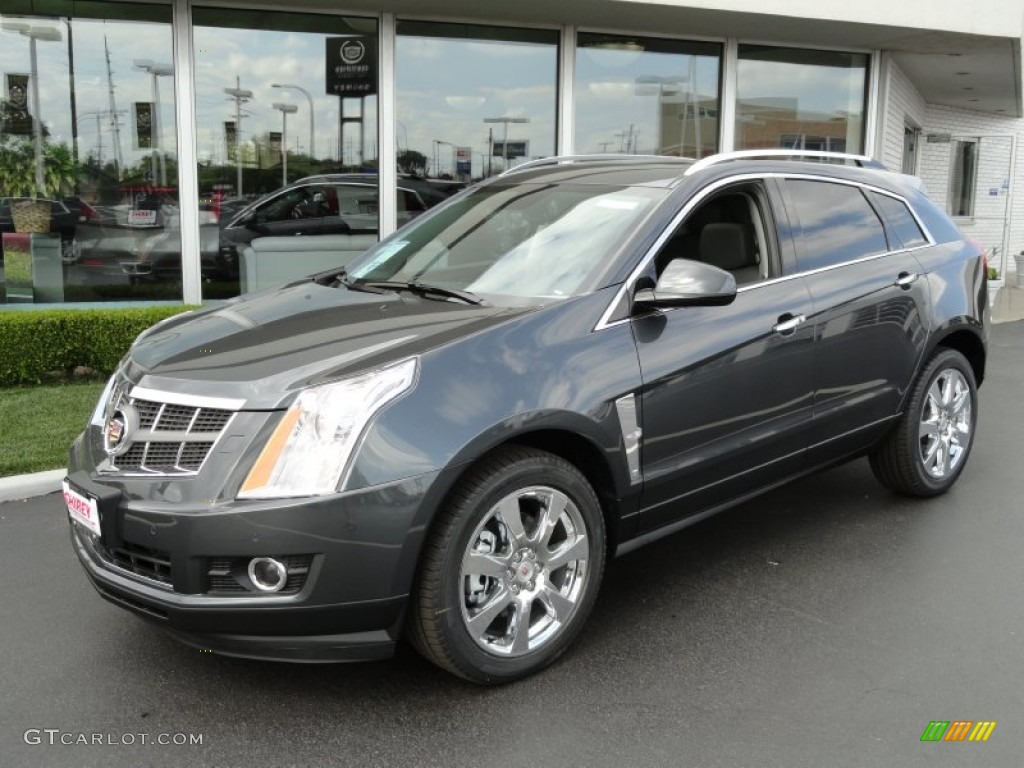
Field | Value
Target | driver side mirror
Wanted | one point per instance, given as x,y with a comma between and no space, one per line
687,283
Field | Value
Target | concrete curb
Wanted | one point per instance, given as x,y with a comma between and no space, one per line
26,486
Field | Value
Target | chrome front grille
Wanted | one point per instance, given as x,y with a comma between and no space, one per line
175,433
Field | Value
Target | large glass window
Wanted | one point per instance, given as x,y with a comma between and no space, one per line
473,100
800,99
643,95
88,153
280,98
963,178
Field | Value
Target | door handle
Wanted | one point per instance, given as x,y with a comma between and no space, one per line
788,323
906,279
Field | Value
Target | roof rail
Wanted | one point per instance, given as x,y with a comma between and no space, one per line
749,154
606,157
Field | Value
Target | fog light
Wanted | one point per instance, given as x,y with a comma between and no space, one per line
267,574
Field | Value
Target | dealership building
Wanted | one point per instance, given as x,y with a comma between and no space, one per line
167,118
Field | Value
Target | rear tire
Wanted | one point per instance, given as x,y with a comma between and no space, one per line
926,452
511,569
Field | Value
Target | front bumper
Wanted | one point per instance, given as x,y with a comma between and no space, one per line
349,604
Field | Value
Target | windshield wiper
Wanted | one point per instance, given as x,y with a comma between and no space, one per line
358,285
421,288
338,277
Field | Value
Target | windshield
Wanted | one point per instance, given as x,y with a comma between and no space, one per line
527,241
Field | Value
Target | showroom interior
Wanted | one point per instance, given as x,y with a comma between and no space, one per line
147,128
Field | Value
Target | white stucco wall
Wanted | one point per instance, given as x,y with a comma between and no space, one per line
904,104
993,174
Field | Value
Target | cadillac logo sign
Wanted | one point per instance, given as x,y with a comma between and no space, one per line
351,65
352,51
119,429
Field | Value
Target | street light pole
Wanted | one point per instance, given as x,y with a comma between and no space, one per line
239,96
37,127
309,97
34,33
437,152
98,114
504,142
71,93
286,109
157,71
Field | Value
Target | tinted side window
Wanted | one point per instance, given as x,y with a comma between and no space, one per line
409,202
901,221
280,208
834,223
312,201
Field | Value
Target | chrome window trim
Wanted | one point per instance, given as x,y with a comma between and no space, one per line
605,322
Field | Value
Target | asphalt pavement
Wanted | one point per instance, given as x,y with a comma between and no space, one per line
825,624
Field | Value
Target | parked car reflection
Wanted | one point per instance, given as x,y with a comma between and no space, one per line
325,204
158,257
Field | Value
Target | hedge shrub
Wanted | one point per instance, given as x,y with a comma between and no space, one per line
47,345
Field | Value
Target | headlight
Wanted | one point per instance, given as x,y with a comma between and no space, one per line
308,453
99,411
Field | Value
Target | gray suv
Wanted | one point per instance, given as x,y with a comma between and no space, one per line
448,437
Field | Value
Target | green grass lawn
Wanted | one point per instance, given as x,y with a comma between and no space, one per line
37,424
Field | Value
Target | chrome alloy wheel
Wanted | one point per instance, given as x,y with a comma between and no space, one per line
945,429
523,572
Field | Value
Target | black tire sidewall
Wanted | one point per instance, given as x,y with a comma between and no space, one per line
546,470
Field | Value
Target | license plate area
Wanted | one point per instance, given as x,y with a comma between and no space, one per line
82,508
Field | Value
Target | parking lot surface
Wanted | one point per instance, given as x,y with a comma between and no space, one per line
824,624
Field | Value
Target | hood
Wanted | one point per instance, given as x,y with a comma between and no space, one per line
264,347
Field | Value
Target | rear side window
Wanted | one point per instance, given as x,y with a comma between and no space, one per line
834,223
901,221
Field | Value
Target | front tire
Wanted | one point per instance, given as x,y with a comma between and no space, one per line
926,452
511,569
